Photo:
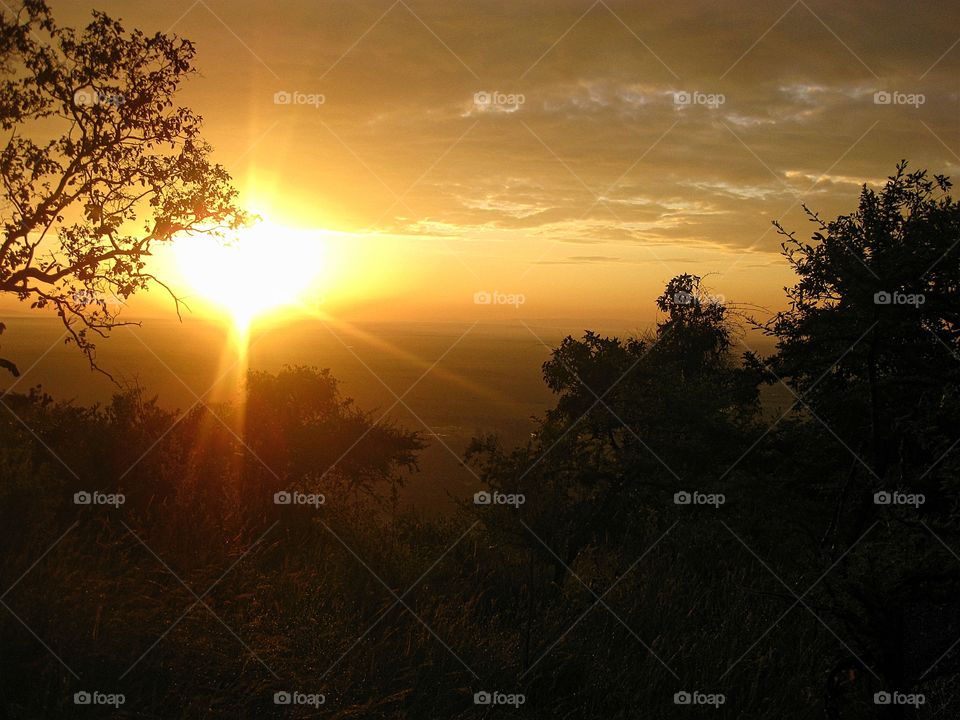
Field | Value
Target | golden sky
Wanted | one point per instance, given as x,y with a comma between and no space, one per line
611,146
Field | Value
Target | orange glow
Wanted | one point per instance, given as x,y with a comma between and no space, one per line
266,269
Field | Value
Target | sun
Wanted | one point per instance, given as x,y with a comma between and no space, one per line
266,268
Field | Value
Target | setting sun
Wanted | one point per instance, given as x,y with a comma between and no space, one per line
266,268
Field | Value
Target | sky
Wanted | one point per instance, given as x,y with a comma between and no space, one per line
564,157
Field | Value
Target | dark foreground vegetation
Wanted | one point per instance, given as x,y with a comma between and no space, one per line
787,584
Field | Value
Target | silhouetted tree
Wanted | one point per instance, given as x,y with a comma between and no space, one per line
870,345
872,335
307,436
101,165
635,421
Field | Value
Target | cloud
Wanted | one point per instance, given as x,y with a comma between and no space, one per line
581,260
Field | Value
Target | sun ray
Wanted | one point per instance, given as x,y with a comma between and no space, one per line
435,369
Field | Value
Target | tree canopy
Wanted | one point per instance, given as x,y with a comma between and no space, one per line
100,165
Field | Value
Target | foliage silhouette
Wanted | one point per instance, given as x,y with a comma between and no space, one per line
116,169
869,344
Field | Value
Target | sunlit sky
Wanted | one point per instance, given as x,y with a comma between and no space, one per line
597,188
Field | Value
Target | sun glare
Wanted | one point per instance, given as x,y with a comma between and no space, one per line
267,268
